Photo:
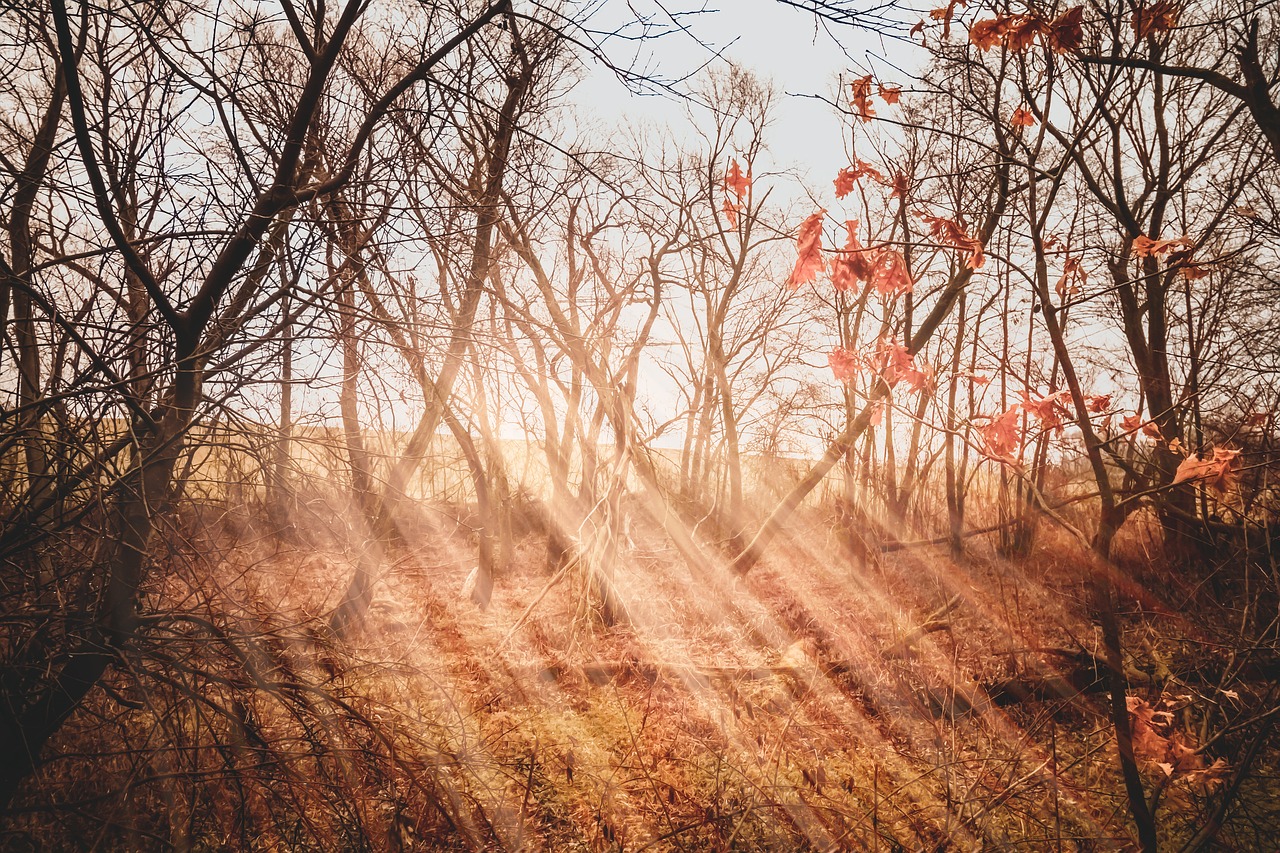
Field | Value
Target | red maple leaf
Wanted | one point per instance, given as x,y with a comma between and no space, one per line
808,251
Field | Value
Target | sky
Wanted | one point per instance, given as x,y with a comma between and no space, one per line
779,43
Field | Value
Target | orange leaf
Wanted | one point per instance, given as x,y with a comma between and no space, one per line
890,94
1021,32
948,232
808,251
1022,117
730,211
1161,16
1150,429
889,274
1144,246
1050,410
1071,272
1192,271
849,175
1002,438
736,182
1065,33
1099,403
845,182
987,34
945,15
1217,473
853,263
895,364
844,364
861,97
899,186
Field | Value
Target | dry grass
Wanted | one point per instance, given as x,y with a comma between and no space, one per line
785,711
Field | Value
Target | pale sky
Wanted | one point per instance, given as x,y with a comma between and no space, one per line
779,43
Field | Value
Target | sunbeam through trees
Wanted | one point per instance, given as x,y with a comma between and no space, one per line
488,425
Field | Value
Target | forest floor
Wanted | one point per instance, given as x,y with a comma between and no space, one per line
915,701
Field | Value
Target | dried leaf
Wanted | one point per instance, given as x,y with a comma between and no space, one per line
853,263
899,186
1071,273
989,33
945,15
730,211
850,175
1050,410
735,181
809,260
844,363
1002,438
948,232
1022,117
1218,473
861,98
889,274
895,364
1161,16
1144,246
1065,33
1022,31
